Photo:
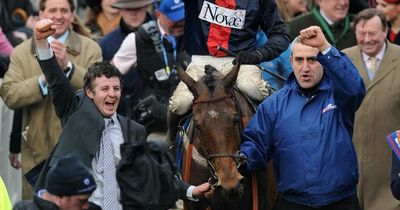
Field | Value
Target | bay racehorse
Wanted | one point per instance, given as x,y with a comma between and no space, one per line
211,151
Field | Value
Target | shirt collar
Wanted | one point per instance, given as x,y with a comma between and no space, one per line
113,117
162,31
327,19
380,54
62,38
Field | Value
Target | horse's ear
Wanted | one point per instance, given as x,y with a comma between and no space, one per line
230,78
185,78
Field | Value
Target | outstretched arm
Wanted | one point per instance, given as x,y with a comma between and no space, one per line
60,88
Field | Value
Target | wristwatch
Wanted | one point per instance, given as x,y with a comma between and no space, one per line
69,67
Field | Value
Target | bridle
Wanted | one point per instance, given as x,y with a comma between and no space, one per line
238,157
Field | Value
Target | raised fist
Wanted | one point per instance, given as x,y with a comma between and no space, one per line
44,28
314,37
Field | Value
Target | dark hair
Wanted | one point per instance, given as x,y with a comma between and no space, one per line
370,13
43,2
100,69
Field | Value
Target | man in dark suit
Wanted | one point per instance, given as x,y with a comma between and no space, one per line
83,116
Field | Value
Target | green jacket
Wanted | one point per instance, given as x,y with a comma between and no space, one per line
342,39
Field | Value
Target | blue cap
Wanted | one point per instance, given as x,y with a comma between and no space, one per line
173,9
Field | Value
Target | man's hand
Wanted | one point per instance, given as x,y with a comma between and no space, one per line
244,57
201,190
60,53
314,37
14,160
43,29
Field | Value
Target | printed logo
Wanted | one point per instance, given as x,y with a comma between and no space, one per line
222,16
86,181
329,107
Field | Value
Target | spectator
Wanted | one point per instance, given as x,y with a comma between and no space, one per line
306,128
134,14
69,185
391,9
291,8
25,87
102,18
203,35
5,46
378,63
7,26
23,17
332,17
158,73
5,51
91,127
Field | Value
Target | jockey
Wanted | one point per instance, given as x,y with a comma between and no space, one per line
232,25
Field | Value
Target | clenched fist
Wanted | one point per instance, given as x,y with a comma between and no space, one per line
314,37
44,28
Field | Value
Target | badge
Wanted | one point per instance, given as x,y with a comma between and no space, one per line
161,74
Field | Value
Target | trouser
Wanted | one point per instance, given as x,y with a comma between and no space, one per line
350,203
249,81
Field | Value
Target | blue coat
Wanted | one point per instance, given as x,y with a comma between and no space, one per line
309,136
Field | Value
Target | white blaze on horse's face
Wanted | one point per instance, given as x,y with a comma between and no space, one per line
213,114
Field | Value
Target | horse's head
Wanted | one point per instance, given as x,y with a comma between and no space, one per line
217,124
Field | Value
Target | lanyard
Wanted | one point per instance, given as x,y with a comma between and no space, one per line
172,40
326,28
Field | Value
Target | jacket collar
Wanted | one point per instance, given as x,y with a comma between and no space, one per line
73,44
44,204
292,84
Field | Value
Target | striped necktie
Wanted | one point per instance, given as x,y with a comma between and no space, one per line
106,166
373,62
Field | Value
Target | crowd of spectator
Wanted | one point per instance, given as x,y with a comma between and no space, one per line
146,40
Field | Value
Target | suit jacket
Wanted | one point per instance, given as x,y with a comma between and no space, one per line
308,19
82,123
378,115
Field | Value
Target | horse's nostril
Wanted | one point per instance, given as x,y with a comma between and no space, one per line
234,193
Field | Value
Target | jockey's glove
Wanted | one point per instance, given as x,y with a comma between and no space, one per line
243,57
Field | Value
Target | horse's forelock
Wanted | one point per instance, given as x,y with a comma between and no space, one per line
210,79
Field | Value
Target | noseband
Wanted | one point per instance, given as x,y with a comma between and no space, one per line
238,157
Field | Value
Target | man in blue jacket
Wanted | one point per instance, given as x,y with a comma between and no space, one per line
306,128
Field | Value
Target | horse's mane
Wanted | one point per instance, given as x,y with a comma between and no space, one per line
210,79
